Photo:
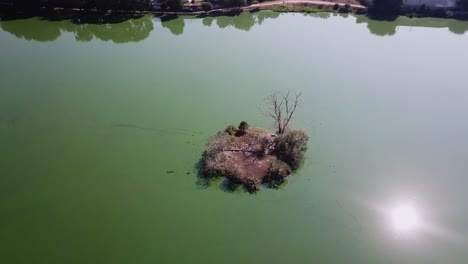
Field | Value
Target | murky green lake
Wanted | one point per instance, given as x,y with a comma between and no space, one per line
94,117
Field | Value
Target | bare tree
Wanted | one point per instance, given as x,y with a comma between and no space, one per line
282,108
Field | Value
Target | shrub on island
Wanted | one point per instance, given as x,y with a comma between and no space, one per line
243,127
291,146
231,130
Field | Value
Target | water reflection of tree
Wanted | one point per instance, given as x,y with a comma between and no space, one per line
32,29
261,16
242,21
224,21
207,21
132,30
378,27
175,24
388,27
128,31
82,33
323,15
458,27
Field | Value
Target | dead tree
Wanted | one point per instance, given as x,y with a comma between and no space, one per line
282,109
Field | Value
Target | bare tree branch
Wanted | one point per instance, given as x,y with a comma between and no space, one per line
290,112
282,109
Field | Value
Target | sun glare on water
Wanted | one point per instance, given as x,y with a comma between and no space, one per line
404,218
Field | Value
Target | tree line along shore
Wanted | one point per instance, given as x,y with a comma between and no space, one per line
375,8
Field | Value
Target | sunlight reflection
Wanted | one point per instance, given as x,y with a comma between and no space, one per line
404,217
411,219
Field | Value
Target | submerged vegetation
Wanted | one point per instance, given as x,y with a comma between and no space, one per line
254,156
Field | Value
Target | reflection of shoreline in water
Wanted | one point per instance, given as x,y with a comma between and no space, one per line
247,20
134,30
242,21
43,30
388,28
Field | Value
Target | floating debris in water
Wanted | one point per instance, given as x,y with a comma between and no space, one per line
171,171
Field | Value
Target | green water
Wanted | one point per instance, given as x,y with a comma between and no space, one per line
93,117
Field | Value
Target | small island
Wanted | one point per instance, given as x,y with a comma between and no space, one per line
254,156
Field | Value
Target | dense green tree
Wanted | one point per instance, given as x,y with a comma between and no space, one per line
206,6
388,7
174,5
85,4
291,146
463,4
233,2
238,2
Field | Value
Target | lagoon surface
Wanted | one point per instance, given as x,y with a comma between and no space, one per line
101,127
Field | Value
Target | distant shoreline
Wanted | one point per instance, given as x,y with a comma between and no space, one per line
268,5
7,12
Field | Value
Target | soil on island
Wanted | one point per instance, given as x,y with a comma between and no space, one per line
245,157
252,153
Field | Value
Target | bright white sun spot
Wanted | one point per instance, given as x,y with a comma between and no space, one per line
404,217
